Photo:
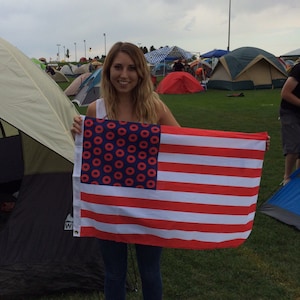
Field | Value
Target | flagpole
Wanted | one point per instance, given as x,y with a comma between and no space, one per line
229,17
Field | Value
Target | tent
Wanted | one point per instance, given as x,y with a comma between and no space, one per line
38,253
247,68
179,83
83,69
167,54
58,76
284,205
292,54
39,63
74,87
201,63
214,53
89,89
69,69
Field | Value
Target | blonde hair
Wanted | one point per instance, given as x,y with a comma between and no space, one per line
146,102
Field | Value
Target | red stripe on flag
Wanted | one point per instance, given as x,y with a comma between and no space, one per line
147,239
206,188
168,205
212,133
212,170
212,151
167,225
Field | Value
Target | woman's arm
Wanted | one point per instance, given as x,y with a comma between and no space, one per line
77,121
287,91
165,116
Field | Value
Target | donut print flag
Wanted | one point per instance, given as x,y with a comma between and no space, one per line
166,186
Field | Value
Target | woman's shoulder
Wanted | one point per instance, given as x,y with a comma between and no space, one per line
93,108
164,114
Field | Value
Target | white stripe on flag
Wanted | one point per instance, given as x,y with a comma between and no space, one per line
175,216
209,160
206,141
212,199
166,234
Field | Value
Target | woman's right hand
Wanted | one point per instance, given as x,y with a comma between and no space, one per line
76,126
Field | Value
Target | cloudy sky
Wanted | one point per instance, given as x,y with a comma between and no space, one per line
36,27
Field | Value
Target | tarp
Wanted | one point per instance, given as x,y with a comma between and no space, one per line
284,205
167,54
179,83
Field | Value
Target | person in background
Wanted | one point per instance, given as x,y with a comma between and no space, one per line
187,68
127,95
178,66
290,122
95,65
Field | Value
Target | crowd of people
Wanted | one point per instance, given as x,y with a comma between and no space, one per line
199,71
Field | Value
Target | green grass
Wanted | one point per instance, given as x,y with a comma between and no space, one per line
266,266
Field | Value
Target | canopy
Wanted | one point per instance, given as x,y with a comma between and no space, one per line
167,53
214,53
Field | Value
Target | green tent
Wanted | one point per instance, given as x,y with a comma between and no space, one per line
247,68
39,63
38,253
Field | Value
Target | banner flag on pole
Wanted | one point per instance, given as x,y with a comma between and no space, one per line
164,185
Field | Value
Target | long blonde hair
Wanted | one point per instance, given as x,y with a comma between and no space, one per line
145,100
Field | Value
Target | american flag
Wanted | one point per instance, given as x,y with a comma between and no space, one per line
164,185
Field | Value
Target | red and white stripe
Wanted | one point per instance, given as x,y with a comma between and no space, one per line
207,188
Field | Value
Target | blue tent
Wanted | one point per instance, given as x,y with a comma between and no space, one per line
214,53
89,90
284,205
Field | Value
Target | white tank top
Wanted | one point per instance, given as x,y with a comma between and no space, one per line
100,109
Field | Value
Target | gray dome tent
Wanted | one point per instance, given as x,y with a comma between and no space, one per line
247,68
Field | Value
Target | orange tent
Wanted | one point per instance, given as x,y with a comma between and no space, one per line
179,83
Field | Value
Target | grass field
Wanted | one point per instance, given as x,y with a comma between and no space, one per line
266,266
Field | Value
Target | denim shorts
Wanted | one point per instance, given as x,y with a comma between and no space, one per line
290,131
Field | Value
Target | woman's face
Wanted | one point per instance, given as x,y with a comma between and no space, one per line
123,74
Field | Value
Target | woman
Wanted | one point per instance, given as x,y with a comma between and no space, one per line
127,95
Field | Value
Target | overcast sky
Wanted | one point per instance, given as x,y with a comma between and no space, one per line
36,27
